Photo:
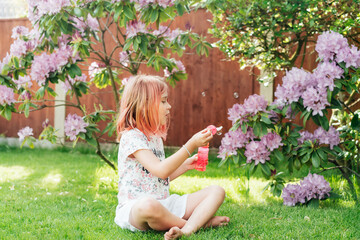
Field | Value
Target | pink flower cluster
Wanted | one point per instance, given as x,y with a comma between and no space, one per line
335,47
256,151
167,33
38,8
45,63
20,46
5,60
6,95
90,23
25,132
233,140
124,58
94,69
252,105
24,82
74,124
331,137
312,187
259,151
66,85
179,68
25,95
19,31
134,27
311,87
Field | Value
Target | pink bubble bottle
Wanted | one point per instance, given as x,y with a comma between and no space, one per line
203,152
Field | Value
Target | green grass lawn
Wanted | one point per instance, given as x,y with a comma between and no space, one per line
62,194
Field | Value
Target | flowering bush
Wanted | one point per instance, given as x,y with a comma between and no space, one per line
274,35
68,38
264,135
312,187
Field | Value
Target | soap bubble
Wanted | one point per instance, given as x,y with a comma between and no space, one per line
203,94
236,95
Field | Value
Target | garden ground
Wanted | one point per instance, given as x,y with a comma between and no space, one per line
71,194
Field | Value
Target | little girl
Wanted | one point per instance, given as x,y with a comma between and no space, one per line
144,173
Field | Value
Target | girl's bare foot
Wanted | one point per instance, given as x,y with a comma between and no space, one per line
173,233
217,221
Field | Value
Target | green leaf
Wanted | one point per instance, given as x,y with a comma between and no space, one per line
306,158
252,168
334,195
78,12
74,71
144,45
306,117
27,109
322,154
266,170
127,44
154,16
180,9
329,95
244,127
278,154
290,165
92,141
324,122
99,10
222,162
315,160
266,187
235,158
7,113
118,12
128,12
313,203
40,93
260,129
265,120
51,92
297,164
355,122
16,62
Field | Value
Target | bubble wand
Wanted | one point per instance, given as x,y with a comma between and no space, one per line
203,152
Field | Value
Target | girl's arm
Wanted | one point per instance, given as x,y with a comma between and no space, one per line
189,164
163,169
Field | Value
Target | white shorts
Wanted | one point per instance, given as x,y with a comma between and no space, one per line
176,204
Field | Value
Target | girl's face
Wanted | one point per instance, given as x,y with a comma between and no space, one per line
164,108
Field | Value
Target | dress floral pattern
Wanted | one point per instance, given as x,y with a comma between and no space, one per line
135,181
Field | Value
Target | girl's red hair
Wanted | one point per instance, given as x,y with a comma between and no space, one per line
140,106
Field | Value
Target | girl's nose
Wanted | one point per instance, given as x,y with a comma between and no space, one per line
169,106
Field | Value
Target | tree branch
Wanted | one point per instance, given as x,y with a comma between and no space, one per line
101,155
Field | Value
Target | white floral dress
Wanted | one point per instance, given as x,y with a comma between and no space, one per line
136,182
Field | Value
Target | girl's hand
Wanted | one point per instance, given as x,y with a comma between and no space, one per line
190,163
202,138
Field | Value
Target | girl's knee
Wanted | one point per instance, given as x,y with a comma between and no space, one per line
217,191
148,207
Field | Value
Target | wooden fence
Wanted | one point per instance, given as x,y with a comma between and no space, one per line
213,85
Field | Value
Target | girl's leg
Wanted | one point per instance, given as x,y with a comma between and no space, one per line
149,213
200,210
